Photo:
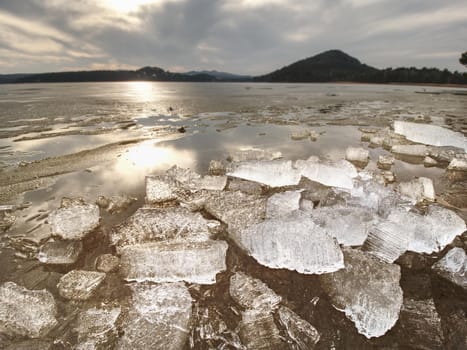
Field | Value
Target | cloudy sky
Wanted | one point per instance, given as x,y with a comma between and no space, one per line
241,36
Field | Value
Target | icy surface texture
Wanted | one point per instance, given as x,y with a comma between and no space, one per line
115,204
159,317
74,221
418,189
348,224
95,326
193,262
271,173
216,167
107,263
258,331
367,290
236,209
79,284
294,243
385,161
160,189
254,154
211,183
388,240
430,134
155,224
357,154
339,174
24,312
410,150
453,267
251,293
6,219
458,164
303,334
282,204
421,322
433,231
60,252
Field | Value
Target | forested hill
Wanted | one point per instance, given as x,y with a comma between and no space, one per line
329,66
335,66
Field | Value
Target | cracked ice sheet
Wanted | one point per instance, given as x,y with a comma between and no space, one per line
294,242
430,134
453,267
192,262
339,174
271,173
367,290
159,317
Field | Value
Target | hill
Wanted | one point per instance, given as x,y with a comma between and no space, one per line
222,76
335,66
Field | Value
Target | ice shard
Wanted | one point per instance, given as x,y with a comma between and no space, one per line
60,252
348,224
193,262
418,189
294,242
388,240
236,209
453,267
159,317
430,134
160,189
300,332
358,155
95,326
24,312
79,284
251,293
159,224
410,150
271,173
282,204
335,175
74,221
107,263
254,154
258,331
367,290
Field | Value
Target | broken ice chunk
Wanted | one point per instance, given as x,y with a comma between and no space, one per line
348,224
97,325
211,183
7,219
159,317
107,263
258,331
367,290
430,134
79,284
60,252
160,189
74,221
453,267
193,262
420,320
336,175
156,224
282,204
270,173
254,154
410,150
388,240
216,167
294,243
300,332
435,230
458,164
385,161
251,293
418,189
358,155
298,135
24,312
236,209
429,162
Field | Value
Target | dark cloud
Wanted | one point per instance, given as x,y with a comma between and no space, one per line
244,36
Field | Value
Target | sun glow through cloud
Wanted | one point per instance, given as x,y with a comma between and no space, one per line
126,6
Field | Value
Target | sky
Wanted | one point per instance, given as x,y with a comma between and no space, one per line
240,36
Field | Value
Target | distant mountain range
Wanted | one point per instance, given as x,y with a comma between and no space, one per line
328,66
